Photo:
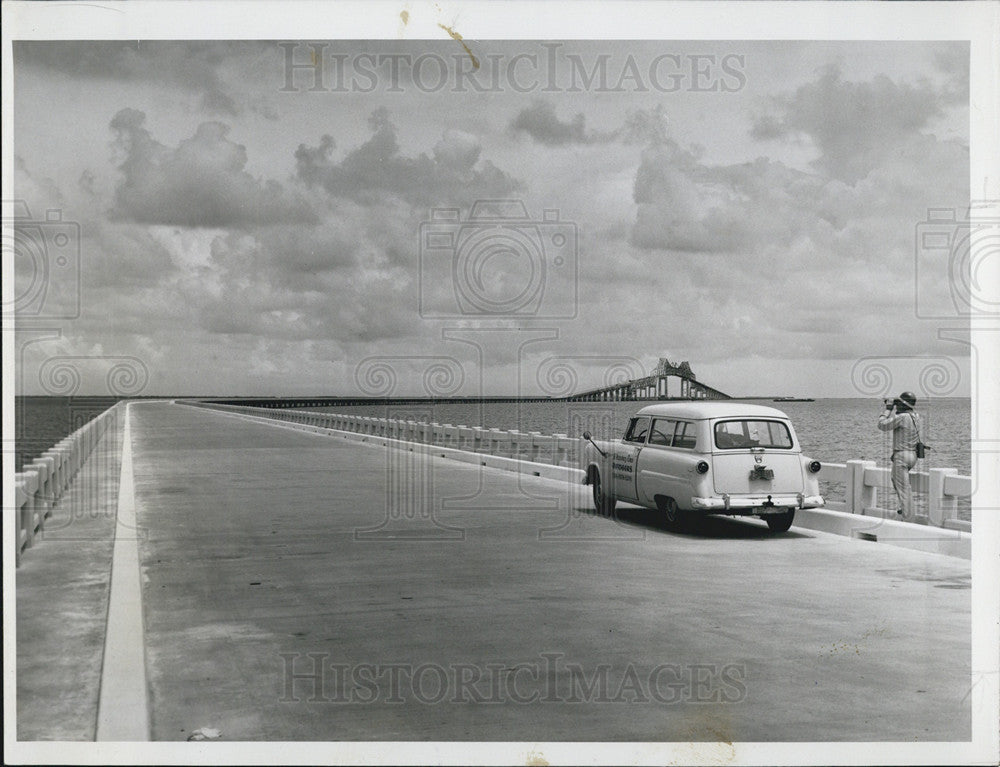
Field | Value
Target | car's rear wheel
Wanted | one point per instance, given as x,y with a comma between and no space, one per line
603,502
779,523
676,517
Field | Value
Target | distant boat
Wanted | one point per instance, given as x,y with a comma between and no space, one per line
793,399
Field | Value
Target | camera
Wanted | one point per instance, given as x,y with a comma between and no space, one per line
957,263
46,258
497,262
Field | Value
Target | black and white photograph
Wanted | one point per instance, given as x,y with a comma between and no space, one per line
501,383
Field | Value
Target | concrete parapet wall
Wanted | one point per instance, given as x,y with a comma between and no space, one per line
884,529
41,483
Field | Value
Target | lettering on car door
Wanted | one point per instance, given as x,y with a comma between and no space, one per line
626,456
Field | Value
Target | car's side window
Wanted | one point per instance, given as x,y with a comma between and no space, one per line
637,430
685,436
663,432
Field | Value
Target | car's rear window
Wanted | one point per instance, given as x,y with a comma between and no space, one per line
730,435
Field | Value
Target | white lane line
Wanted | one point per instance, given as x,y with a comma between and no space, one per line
123,707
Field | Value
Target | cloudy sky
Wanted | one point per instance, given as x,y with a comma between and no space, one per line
250,228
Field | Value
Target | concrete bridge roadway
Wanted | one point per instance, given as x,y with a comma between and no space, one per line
302,587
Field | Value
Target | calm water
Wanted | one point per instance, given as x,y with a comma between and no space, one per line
40,422
832,430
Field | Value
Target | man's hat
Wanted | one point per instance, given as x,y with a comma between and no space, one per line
908,398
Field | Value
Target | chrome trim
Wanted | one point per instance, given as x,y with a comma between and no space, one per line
727,502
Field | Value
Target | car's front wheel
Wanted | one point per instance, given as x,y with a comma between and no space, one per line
779,523
603,501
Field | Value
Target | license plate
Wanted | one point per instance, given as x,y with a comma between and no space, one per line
761,472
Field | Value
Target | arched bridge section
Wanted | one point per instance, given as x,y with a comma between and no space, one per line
667,381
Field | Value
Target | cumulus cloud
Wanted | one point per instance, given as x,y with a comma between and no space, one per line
237,284
103,255
878,173
350,304
855,125
349,279
378,170
540,122
202,182
812,264
191,66
683,205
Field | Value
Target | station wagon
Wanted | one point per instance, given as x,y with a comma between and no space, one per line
688,459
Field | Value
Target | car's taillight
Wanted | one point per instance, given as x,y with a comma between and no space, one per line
815,466
702,467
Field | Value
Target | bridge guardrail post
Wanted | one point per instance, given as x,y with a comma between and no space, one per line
61,458
516,442
69,445
940,507
507,444
491,438
44,497
561,445
52,481
27,489
857,495
536,446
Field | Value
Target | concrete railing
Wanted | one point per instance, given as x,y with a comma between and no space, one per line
862,479
555,449
41,484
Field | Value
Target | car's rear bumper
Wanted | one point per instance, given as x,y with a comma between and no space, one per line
767,504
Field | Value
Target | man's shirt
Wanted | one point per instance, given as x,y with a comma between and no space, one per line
904,427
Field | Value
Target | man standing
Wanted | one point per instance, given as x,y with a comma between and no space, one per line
900,418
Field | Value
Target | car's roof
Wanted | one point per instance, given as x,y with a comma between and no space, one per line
713,409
